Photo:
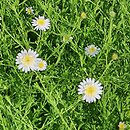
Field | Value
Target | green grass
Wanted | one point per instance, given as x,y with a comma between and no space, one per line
48,100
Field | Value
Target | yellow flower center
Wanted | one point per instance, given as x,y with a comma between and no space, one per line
28,60
41,64
92,49
122,126
40,22
90,90
29,11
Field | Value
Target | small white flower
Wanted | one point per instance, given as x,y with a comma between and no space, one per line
41,23
41,64
27,60
29,10
122,125
90,89
92,50
0,18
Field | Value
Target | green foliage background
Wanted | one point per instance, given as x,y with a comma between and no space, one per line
49,100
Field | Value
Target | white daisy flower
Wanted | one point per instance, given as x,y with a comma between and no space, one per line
90,89
41,64
27,60
122,125
0,18
41,23
92,50
29,10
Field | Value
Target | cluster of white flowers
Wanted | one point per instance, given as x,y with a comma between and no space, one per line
39,23
28,60
90,88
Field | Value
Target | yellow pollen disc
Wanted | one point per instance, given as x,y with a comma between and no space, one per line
40,22
28,60
90,90
121,126
29,11
41,64
92,49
